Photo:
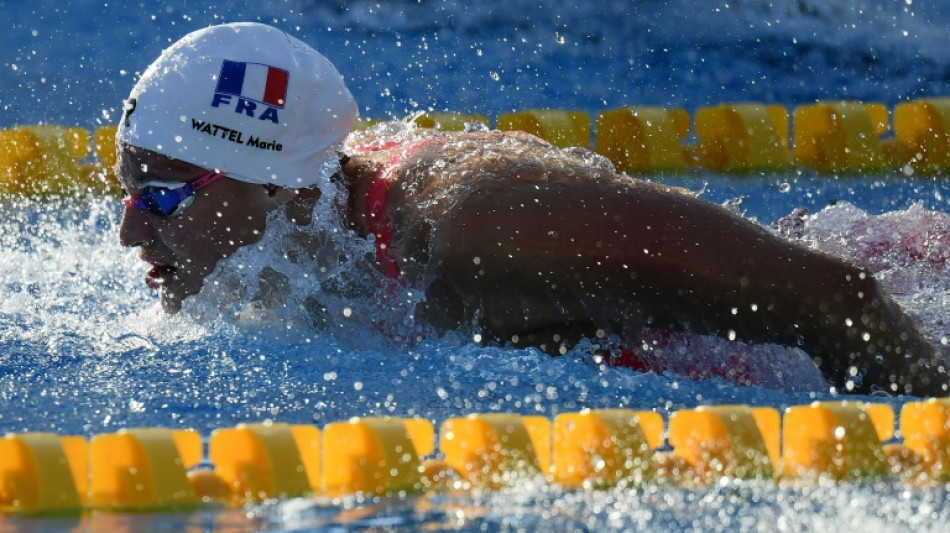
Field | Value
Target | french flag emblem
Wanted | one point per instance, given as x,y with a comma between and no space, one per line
254,81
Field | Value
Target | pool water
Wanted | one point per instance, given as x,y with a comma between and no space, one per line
85,348
729,506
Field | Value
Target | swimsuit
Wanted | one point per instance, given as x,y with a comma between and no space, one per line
377,219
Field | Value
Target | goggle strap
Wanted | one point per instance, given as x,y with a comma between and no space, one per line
179,193
206,180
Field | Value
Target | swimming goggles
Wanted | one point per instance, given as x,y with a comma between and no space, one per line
165,199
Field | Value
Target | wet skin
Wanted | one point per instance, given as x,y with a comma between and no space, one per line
543,249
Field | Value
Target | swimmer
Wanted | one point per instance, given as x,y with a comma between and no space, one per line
530,244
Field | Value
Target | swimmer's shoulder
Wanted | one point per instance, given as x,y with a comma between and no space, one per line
432,162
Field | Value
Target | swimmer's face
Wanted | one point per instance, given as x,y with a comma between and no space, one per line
183,249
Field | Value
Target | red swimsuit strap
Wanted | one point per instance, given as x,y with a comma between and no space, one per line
377,219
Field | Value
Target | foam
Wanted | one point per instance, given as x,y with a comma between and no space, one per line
907,250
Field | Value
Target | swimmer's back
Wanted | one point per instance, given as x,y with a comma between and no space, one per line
483,214
441,175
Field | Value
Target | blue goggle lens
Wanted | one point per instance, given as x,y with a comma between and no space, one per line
165,201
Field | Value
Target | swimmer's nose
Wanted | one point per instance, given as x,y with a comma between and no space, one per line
135,229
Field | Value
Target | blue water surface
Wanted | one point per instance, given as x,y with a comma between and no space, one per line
73,62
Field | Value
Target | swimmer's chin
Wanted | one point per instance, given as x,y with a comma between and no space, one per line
171,304
177,288
172,297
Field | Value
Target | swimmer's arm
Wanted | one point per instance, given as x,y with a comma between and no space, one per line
530,257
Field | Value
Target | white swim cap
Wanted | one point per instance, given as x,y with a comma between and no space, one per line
246,99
